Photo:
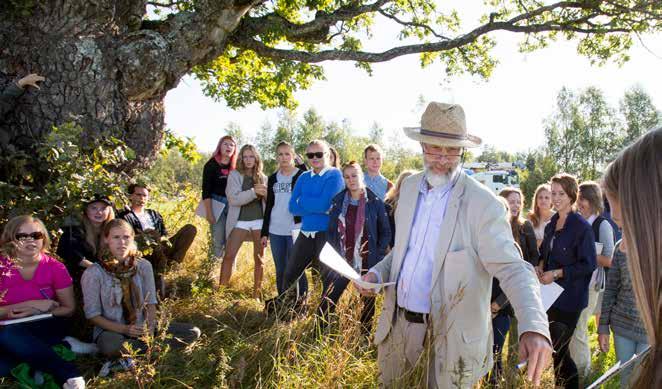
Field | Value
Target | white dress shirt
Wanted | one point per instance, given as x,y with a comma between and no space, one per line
415,278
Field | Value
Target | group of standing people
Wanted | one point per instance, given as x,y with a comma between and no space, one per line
297,210
566,225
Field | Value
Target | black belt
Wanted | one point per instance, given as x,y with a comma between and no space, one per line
415,317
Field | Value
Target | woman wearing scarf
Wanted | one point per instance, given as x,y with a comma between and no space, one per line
120,297
214,181
359,230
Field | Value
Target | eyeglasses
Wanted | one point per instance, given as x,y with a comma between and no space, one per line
22,237
454,152
319,154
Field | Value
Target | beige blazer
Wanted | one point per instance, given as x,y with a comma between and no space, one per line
475,244
237,197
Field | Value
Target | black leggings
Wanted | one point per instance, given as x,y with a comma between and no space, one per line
305,251
334,286
561,327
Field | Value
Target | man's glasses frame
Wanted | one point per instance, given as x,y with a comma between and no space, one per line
318,155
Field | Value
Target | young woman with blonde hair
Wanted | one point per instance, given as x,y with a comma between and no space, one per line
541,211
633,184
311,200
359,231
246,193
120,297
79,245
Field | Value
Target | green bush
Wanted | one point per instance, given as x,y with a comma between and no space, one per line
71,173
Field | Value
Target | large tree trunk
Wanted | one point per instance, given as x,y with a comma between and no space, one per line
105,69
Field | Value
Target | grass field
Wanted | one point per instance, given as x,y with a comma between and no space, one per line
242,348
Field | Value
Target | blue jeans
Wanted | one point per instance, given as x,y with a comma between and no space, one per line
500,327
625,349
281,249
218,239
32,343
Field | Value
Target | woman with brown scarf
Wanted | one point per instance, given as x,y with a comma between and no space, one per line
120,296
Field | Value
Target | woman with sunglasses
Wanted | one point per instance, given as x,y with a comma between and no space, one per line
311,200
33,283
246,192
79,244
214,181
568,258
359,230
120,297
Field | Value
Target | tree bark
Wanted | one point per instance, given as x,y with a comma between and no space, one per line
105,69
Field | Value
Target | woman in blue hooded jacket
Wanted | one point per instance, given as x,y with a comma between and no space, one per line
359,231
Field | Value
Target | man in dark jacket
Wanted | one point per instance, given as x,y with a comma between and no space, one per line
152,233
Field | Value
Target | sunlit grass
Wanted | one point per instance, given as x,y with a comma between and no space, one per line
243,348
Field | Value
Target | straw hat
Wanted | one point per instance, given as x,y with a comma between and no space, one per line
443,125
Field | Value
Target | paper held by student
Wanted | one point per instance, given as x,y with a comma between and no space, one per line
332,259
550,293
26,319
216,208
616,369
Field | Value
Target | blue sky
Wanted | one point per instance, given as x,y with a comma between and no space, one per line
506,111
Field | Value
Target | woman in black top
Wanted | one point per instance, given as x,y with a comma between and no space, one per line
522,229
214,180
525,238
79,245
568,258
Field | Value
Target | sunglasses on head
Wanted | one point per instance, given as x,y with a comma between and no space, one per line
37,235
318,154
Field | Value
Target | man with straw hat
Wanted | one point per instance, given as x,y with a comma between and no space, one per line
451,239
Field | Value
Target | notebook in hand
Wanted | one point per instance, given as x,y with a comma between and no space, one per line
26,319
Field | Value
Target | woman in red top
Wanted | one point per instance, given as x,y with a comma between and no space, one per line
33,283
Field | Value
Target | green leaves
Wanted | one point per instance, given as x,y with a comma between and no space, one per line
64,175
241,77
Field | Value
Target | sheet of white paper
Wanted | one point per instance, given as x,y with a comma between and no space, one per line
26,319
330,257
216,208
550,293
616,369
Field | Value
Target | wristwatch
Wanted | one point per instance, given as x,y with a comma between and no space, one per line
555,273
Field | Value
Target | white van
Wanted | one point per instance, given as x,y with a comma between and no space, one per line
497,180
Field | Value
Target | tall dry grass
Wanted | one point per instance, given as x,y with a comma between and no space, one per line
243,348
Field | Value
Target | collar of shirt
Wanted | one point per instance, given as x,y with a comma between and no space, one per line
591,219
309,234
321,173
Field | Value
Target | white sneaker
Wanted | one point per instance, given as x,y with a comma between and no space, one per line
74,383
79,347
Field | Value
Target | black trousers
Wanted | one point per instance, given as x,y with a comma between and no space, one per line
334,286
561,327
306,252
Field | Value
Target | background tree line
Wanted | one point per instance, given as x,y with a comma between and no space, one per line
582,134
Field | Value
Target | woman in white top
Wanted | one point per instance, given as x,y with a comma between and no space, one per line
590,206
542,211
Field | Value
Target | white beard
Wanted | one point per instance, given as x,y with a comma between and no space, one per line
437,180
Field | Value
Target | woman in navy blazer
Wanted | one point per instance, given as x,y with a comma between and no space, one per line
568,258
362,247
